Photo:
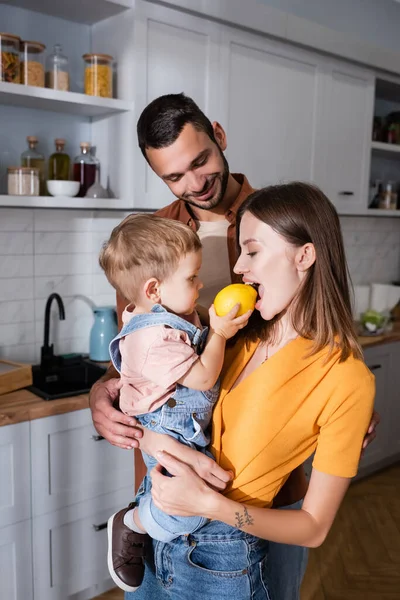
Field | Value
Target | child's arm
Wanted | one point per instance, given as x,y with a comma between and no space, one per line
205,371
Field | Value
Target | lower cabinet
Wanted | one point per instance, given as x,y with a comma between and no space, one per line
16,562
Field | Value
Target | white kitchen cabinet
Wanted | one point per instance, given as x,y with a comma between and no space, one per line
174,53
16,562
272,97
15,489
394,407
347,119
71,464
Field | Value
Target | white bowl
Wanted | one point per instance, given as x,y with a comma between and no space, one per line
63,188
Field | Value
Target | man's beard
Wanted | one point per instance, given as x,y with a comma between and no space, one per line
217,199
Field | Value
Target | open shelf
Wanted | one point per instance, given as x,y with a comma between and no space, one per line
87,12
369,212
384,148
64,202
29,96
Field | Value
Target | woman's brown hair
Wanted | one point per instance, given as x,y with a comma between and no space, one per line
321,310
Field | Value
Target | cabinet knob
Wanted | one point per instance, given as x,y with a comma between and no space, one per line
100,527
375,367
97,438
346,193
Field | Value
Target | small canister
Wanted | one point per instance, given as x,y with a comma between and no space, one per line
23,181
32,71
98,75
9,58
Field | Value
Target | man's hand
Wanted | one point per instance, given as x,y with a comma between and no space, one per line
371,432
116,427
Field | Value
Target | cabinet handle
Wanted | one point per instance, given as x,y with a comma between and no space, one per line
97,438
100,527
346,193
375,367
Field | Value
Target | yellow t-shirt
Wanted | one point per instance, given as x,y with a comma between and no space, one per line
289,407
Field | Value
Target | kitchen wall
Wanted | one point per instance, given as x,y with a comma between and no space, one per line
45,251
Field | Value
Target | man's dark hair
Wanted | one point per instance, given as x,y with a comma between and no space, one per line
162,121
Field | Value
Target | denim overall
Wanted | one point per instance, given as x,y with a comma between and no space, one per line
185,416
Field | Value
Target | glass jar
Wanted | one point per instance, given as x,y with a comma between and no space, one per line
84,169
59,162
32,72
98,75
57,71
23,181
33,158
9,57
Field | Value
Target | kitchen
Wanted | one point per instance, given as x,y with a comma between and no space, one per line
325,90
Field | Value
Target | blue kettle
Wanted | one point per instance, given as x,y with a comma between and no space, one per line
104,329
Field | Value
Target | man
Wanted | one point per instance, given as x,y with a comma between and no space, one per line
186,151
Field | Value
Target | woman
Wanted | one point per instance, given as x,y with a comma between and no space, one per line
294,384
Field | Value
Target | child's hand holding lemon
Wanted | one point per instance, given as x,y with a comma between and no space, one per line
232,308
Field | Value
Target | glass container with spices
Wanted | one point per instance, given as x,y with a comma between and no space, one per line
23,181
9,58
84,169
59,162
57,71
32,72
33,158
98,75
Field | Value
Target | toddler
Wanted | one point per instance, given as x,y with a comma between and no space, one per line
169,366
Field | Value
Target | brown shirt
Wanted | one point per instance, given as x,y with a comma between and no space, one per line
296,486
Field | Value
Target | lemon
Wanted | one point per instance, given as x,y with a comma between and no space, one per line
236,293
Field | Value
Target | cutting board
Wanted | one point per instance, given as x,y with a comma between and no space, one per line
14,376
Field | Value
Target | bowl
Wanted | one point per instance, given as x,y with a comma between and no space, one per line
63,188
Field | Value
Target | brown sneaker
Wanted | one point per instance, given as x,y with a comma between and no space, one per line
126,552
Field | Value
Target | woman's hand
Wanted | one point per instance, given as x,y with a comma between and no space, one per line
185,494
116,427
371,432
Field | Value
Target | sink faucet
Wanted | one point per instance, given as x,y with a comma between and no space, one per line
47,350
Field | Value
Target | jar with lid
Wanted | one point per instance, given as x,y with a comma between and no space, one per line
23,181
32,72
84,169
57,71
59,162
9,57
98,75
32,158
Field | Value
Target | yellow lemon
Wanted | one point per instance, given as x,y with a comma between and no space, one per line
236,293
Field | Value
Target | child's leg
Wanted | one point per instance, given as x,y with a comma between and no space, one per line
132,520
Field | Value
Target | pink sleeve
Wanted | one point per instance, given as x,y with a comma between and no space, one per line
169,358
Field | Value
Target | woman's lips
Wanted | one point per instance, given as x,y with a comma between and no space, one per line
260,291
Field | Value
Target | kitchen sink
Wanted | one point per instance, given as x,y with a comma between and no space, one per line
67,376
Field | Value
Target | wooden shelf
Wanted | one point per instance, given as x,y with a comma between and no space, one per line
385,148
28,96
87,12
64,202
369,212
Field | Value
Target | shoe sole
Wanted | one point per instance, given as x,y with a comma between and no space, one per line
121,584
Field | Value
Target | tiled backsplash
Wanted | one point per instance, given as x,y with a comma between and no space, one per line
45,251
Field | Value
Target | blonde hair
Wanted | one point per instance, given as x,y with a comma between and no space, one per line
145,246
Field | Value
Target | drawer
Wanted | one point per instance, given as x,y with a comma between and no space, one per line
16,562
15,475
71,547
70,464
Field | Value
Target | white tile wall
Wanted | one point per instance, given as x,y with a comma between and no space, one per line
45,251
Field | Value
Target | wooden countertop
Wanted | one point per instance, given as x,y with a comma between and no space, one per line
22,405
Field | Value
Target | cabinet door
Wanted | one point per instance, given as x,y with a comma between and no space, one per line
15,489
174,52
394,401
71,548
16,562
272,109
378,361
71,464
348,112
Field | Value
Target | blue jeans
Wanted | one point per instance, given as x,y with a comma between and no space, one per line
222,562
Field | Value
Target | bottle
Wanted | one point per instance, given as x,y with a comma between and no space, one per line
104,330
57,70
96,190
84,169
59,162
386,199
33,158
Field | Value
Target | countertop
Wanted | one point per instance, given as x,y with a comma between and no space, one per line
22,405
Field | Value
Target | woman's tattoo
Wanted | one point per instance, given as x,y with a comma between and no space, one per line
244,519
